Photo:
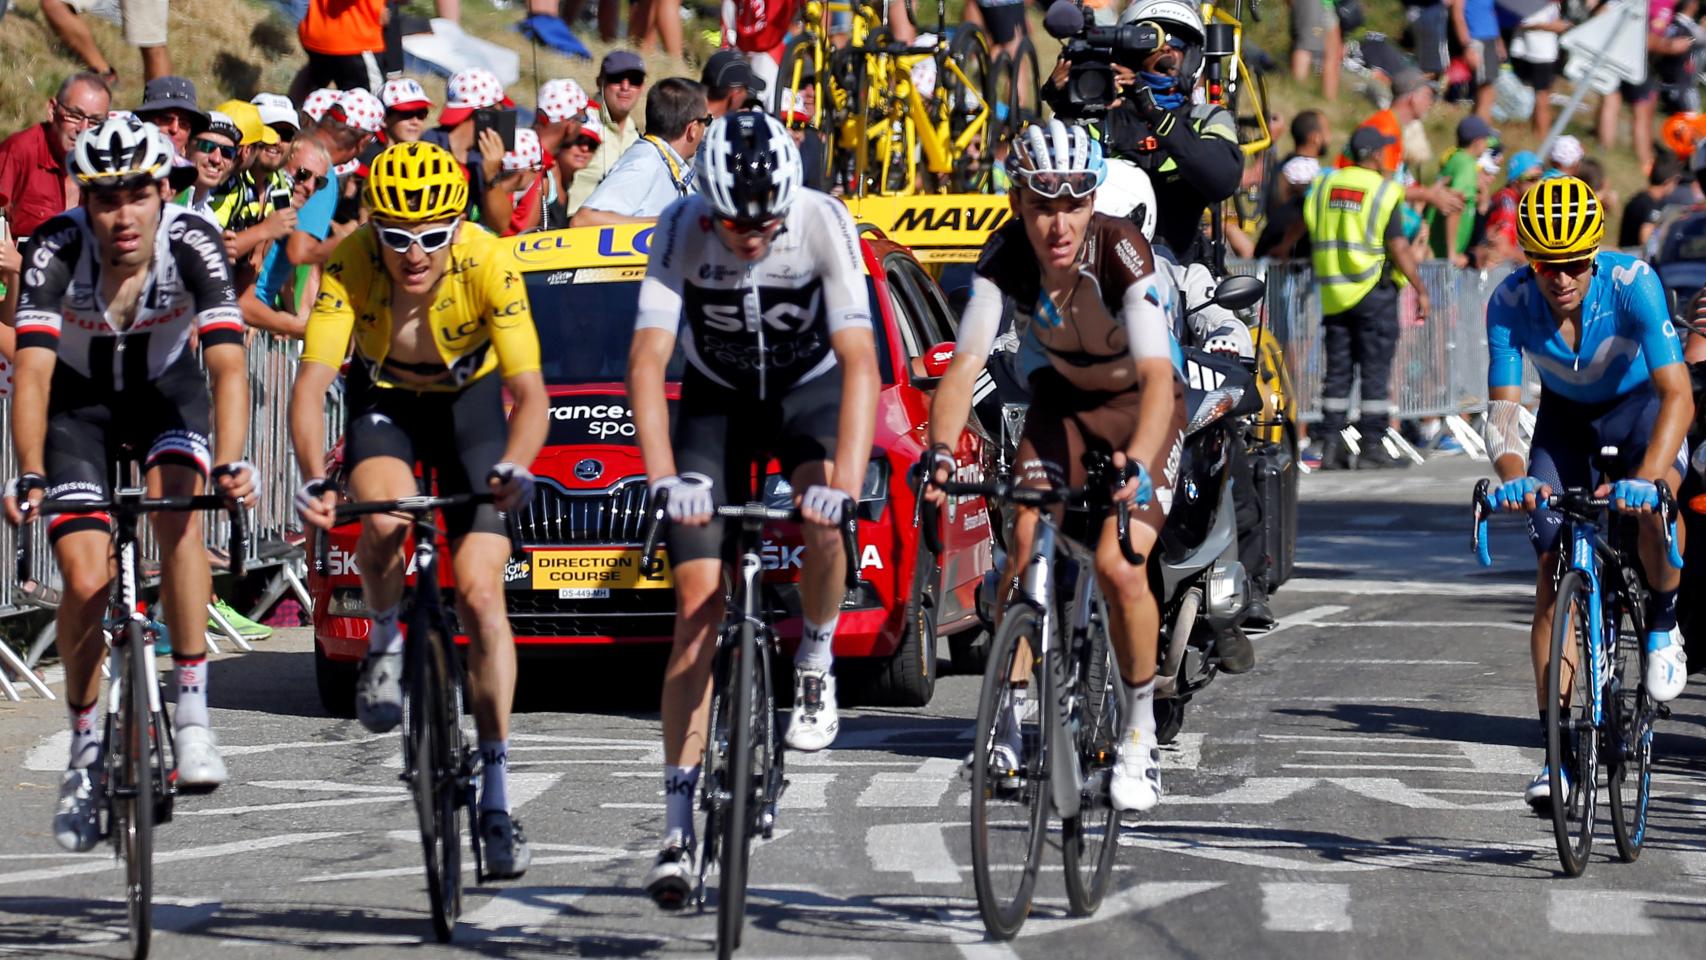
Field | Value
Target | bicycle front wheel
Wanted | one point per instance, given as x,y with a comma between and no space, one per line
1572,741
133,788
429,726
1009,795
737,820
970,99
1629,779
1090,840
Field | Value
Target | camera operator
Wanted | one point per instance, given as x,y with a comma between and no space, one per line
1146,113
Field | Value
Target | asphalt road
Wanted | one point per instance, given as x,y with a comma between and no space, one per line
1357,795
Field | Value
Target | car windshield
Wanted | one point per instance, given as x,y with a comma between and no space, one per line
1685,240
585,319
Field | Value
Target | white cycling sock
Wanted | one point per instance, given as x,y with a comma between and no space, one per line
85,735
1140,708
1016,717
679,785
494,775
817,645
192,692
386,636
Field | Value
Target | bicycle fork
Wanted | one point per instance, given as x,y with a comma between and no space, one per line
1066,777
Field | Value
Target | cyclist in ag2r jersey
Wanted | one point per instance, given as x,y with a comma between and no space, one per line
781,362
1598,330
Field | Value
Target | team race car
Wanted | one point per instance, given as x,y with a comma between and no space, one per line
576,584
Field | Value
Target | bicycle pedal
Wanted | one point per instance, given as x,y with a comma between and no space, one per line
1663,712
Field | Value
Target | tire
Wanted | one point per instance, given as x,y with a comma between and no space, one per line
1572,820
908,679
335,680
1252,204
1090,841
430,731
800,57
1027,87
737,821
1009,814
1169,719
1629,779
133,798
970,49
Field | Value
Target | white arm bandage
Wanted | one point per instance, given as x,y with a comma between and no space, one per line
1507,432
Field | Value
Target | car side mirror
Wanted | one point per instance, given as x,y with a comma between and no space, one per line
927,370
1239,293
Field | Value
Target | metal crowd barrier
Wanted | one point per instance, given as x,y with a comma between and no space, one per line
274,532
1440,366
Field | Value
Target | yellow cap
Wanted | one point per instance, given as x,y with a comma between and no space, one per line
248,119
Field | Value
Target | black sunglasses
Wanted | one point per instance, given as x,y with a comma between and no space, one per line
305,175
636,79
707,119
420,114
209,146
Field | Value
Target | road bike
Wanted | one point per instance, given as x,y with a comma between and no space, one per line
439,765
743,776
1600,715
1055,640
138,764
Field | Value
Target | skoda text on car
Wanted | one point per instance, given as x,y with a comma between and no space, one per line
579,585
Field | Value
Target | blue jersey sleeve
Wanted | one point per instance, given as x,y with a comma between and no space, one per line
1643,300
1504,350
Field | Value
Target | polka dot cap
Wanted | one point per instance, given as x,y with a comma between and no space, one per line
362,110
527,154
561,100
319,102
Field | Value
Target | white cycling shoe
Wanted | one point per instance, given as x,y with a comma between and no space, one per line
76,823
1667,665
199,765
814,721
1136,781
1539,792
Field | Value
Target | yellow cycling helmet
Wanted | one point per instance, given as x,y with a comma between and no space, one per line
1559,219
416,183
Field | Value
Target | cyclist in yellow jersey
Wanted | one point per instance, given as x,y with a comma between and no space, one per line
433,312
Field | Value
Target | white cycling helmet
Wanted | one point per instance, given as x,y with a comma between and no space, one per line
121,150
1181,19
1127,192
749,168
1052,158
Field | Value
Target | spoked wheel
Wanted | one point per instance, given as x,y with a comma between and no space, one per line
431,766
132,818
802,85
1090,840
1009,802
970,101
1630,778
1026,105
1572,742
738,814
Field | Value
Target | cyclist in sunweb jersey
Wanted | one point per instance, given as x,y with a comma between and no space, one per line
1088,293
117,293
759,280
1598,330
440,328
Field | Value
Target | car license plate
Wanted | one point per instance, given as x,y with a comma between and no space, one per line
592,570
583,593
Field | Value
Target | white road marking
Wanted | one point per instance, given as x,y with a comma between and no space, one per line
807,791
292,805
1408,624
1603,912
1443,587
325,786
1184,753
1256,791
48,755
1220,842
526,910
414,869
918,849
988,950
923,787
1380,753
1302,618
524,787
99,864
1366,662
1306,907
1350,699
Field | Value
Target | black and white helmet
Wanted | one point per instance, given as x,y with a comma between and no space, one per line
122,148
749,168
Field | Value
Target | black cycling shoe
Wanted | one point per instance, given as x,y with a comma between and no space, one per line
504,846
1335,455
1237,655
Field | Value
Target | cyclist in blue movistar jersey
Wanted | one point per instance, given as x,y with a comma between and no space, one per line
1598,330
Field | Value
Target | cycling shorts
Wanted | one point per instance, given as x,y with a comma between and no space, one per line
1567,436
1004,21
457,436
91,426
721,433
1065,422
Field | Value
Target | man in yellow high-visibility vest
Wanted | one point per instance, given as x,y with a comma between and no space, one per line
1356,239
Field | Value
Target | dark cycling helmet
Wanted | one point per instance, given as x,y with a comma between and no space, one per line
120,151
749,168
1560,219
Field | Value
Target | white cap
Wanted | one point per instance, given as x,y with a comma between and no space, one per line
527,154
276,108
318,102
1301,171
1567,151
561,100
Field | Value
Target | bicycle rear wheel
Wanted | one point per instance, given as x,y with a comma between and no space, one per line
1026,104
430,732
133,788
1009,807
1572,741
737,815
968,102
1090,840
1629,780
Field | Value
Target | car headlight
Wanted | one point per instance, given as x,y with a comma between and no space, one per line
779,493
